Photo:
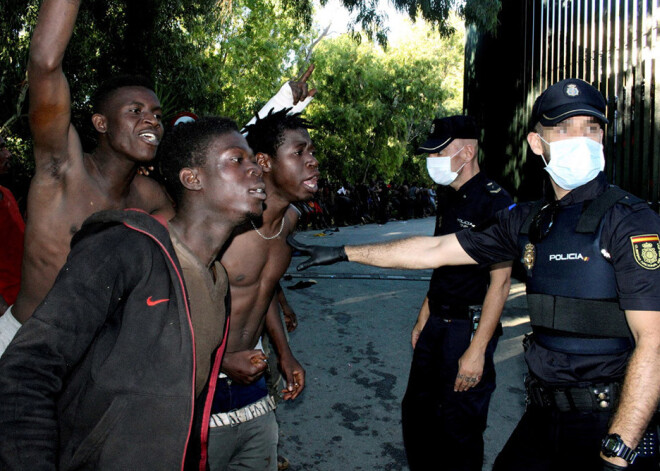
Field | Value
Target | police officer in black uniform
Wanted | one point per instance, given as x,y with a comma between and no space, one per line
452,375
592,253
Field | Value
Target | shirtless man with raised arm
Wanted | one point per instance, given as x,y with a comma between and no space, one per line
69,185
255,262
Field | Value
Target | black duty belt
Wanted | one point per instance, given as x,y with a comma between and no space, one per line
583,346
599,397
456,312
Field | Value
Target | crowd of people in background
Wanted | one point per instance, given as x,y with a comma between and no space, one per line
348,204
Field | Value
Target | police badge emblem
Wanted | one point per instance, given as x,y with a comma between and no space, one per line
529,256
572,90
646,250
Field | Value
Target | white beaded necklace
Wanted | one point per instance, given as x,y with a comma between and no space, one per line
268,238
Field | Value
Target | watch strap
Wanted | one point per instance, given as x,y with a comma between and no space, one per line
622,450
627,453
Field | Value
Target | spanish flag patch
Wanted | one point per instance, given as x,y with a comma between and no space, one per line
646,250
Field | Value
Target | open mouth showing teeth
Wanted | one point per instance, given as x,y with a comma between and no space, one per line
259,192
311,183
149,137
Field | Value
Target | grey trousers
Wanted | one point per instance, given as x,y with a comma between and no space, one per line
250,446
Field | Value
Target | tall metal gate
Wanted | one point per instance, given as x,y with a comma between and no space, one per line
612,44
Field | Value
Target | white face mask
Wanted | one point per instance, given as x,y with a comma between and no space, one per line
439,169
574,162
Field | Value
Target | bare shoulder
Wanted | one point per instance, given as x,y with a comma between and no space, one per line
292,216
147,194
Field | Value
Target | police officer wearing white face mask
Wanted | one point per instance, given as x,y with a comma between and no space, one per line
452,376
592,255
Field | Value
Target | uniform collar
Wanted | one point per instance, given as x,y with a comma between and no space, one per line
469,186
588,191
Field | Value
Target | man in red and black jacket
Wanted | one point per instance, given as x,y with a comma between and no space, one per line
113,368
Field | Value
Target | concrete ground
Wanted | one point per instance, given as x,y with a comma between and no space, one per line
354,341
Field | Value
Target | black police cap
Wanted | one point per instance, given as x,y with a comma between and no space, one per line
445,130
570,97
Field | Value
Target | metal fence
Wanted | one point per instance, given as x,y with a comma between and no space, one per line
612,44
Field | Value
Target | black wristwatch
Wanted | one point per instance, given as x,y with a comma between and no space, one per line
612,446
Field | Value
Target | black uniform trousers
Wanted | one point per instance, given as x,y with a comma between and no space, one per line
547,439
443,429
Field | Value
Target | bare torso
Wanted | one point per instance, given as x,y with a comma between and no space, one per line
59,201
69,186
254,267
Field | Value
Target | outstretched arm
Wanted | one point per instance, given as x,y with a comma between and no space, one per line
50,98
413,253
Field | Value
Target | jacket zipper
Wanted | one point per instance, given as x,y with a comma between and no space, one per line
192,334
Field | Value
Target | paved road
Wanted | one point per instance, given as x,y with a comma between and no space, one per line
354,341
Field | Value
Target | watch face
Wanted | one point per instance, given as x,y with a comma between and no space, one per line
611,445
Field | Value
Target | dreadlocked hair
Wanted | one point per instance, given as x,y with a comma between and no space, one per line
266,135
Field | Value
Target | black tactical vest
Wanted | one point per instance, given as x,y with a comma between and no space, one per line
571,285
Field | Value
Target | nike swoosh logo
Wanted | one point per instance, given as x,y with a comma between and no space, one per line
152,302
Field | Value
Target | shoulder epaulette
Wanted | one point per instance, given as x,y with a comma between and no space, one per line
631,200
493,188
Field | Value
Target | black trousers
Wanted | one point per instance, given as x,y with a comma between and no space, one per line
443,429
545,439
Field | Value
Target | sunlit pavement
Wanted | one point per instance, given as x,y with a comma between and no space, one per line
354,341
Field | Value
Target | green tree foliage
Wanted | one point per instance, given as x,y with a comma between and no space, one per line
209,56
257,51
228,57
480,13
373,109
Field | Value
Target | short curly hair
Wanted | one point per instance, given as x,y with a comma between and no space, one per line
107,88
186,145
266,135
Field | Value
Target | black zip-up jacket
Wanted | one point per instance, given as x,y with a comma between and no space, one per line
102,376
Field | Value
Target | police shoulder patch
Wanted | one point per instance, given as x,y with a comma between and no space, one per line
493,188
646,250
